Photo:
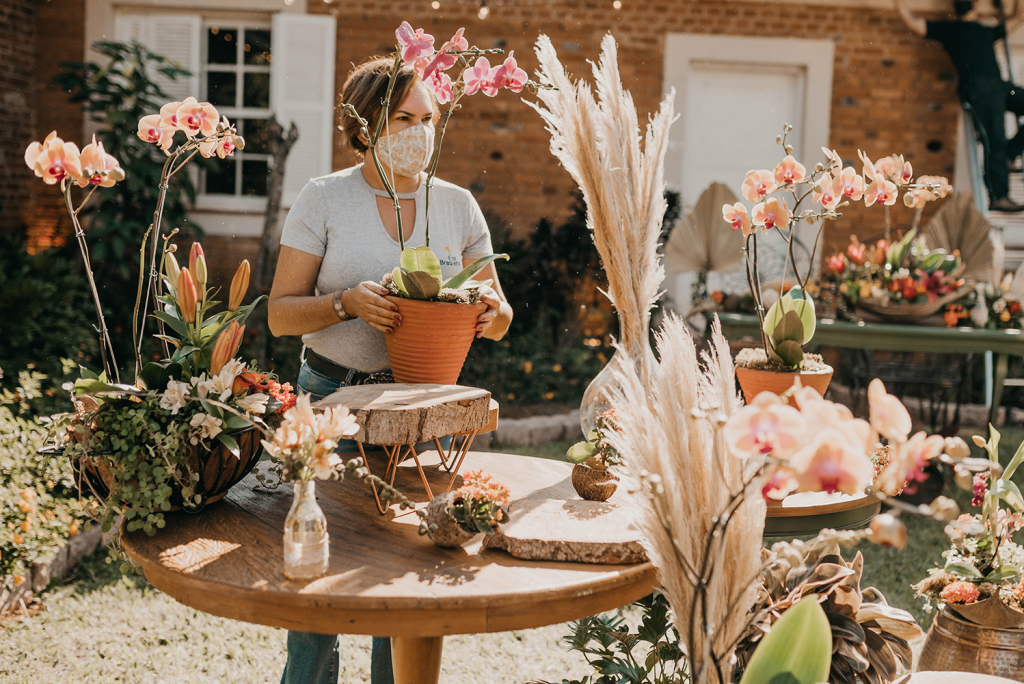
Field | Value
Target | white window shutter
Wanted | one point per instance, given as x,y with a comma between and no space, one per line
302,81
177,37
129,27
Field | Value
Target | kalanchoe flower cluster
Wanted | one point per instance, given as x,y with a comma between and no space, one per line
960,592
480,503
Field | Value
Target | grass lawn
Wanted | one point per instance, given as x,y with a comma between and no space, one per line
98,626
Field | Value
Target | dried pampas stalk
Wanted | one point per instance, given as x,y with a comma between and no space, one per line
701,530
598,142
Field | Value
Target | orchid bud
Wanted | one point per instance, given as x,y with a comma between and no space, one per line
171,270
964,478
888,530
239,285
956,448
239,142
945,509
187,296
978,440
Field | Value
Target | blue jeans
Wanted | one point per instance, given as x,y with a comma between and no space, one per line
315,658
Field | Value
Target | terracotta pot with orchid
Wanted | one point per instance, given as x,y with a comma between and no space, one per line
779,196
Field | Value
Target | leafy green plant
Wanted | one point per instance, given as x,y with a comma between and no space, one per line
619,655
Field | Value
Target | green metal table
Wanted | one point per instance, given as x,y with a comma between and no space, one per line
902,338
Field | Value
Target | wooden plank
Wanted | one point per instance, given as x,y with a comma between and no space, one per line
409,414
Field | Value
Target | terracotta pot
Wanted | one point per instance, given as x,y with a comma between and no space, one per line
956,645
219,470
433,340
753,382
447,532
593,484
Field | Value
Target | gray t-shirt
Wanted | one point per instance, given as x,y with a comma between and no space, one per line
336,217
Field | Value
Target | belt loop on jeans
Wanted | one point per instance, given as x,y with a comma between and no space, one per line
351,374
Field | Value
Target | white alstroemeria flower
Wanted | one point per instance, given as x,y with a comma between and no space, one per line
253,403
201,385
220,386
233,367
174,396
209,426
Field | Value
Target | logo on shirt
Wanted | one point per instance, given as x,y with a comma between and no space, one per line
448,259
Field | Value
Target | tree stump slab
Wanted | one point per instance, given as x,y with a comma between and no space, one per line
574,531
408,414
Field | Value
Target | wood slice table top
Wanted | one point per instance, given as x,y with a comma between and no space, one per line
384,579
409,414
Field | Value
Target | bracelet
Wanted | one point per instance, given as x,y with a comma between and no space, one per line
339,308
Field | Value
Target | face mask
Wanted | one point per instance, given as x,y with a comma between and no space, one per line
408,151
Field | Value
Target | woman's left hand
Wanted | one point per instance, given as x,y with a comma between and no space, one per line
493,323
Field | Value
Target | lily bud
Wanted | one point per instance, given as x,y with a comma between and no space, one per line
193,254
187,296
888,530
239,285
222,348
197,265
171,270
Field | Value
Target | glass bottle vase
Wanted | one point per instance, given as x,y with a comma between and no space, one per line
306,543
597,398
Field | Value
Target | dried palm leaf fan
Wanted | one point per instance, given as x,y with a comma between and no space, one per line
698,242
959,225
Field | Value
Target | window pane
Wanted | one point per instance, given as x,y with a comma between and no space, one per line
222,45
255,133
256,50
254,177
256,91
220,177
221,88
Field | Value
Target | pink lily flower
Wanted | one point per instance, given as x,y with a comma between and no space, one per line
882,191
888,415
478,77
771,214
830,464
509,75
789,171
441,85
197,118
757,184
98,167
415,43
442,61
151,131
849,184
827,196
736,215
54,160
765,427
169,116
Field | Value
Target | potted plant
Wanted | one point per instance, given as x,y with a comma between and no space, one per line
594,456
479,505
438,316
788,324
980,589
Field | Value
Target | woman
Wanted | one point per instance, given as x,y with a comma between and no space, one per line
340,238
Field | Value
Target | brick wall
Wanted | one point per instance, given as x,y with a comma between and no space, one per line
892,91
17,70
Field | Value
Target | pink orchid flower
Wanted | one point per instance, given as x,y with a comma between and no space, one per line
887,166
222,147
835,162
869,166
736,215
771,214
789,171
824,193
881,190
916,199
765,427
197,118
943,189
888,415
821,414
830,464
54,160
441,85
509,75
849,184
911,459
906,174
415,43
443,60
779,485
478,77
151,131
169,116
98,167
757,184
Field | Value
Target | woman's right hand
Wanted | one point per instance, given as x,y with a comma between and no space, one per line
366,300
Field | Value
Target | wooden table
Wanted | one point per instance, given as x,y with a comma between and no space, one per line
808,512
384,579
903,338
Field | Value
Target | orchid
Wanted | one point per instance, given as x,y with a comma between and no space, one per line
789,171
849,184
197,118
441,85
736,215
414,43
881,191
888,415
478,78
509,75
830,464
771,214
765,427
151,130
54,160
757,184
98,167
824,193
169,116
444,59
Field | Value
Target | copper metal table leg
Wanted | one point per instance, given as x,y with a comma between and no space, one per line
373,487
463,450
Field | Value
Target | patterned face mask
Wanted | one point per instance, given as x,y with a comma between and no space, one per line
408,151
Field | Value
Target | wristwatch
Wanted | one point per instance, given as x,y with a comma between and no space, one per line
339,308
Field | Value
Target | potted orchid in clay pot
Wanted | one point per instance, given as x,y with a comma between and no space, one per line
439,315
787,325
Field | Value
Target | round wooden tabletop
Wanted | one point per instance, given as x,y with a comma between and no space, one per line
384,579
808,512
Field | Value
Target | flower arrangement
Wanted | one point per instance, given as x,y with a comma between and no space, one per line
418,275
305,441
789,323
996,307
984,565
480,504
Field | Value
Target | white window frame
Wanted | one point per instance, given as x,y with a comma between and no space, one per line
238,202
